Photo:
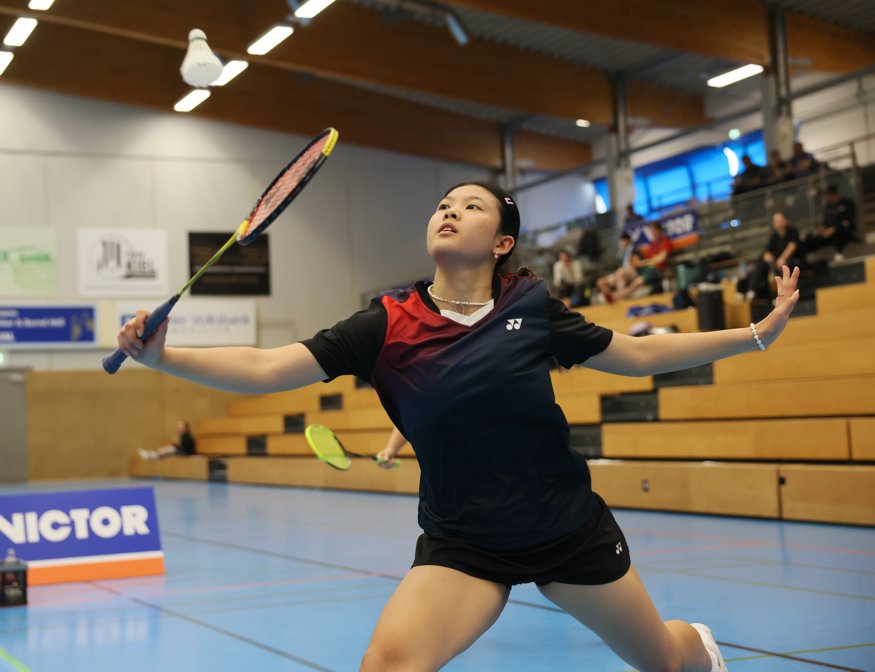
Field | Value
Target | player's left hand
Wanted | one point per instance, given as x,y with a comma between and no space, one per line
788,296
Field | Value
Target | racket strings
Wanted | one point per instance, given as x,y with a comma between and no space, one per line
287,183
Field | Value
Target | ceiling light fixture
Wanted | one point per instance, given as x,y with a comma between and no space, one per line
191,100
457,28
230,71
269,40
5,60
19,32
583,123
40,5
734,76
311,8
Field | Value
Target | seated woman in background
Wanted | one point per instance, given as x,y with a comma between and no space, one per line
182,445
614,284
568,279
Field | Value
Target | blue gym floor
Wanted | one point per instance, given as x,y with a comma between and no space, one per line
263,579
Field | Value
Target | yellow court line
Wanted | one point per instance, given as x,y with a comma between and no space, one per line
16,665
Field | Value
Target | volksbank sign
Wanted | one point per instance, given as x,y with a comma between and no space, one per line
83,535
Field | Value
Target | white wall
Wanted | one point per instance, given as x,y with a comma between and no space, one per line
69,162
561,200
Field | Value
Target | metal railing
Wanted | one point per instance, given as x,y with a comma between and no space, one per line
739,225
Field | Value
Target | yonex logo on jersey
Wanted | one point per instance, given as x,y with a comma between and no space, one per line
619,548
515,323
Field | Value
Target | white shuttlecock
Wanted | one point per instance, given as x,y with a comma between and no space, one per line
200,67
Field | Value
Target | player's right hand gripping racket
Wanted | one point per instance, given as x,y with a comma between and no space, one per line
330,450
276,198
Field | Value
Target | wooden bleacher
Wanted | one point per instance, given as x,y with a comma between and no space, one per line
789,433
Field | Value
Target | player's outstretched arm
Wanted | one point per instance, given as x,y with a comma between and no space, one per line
235,369
662,353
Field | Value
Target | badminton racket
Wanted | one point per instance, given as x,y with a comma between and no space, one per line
276,198
331,451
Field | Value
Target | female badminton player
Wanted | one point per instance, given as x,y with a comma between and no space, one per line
461,366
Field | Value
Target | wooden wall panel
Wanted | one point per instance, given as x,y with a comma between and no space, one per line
830,494
847,324
728,489
354,418
580,379
829,358
87,424
302,400
192,467
846,297
581,408
789,399
735,440
862,432
306,472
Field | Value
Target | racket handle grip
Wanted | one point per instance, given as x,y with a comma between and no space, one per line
112,363
393,463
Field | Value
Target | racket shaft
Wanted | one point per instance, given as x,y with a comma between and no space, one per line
113,362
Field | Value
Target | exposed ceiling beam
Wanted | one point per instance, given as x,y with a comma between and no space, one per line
730,29
113,68
356,44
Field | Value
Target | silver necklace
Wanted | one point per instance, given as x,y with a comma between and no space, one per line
478,304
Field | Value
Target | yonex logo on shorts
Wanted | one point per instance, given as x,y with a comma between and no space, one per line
619,548
515,323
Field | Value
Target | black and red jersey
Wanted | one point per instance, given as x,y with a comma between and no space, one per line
477,404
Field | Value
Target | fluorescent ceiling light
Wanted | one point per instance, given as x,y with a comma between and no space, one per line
583,123
192,100
732,159
733,76
5,60
311,8
40,5
269,40
230,71
19,32
460,35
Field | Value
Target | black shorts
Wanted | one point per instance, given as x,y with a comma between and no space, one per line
596,553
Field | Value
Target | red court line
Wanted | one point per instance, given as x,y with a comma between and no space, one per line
257,584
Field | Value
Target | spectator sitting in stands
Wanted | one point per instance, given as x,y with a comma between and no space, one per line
632,216
615,283
781,249
777,168
801,163
651,267
182,445
568,279
753,177
839,222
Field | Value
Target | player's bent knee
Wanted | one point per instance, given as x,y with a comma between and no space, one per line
389,657
672,664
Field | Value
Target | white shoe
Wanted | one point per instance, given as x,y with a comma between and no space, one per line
717,662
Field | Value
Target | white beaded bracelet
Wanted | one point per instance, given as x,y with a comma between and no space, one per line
756,337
